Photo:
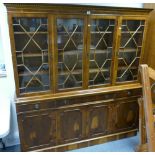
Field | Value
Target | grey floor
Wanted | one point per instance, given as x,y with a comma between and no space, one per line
123,145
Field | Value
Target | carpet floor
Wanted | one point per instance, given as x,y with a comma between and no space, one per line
123,145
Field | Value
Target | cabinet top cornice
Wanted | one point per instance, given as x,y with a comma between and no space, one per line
74,8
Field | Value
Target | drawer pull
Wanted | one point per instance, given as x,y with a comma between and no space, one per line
129,93
36,106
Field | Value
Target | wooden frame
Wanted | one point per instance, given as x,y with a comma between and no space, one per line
10,16
146,112
84,55
112,68
143,44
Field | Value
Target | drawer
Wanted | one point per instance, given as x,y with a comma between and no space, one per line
91,98
128,93
40,105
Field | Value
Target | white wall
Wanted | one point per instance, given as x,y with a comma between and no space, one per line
7,86
1,51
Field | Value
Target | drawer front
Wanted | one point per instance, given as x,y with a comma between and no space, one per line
128,93
42,105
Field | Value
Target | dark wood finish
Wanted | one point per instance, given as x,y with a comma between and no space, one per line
126,115
60,120
38,130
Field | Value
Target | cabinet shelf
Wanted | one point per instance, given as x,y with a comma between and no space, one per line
32,54
80,52
131,32
30,74
95,70
127,50
31,32
124,32
79,71
69,33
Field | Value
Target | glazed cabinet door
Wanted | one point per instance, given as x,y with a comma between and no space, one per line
37,130
30,53
101,49
125,115
70,51
130,51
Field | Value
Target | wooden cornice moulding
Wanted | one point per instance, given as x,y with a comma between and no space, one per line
74,8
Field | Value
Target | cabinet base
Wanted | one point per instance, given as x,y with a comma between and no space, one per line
89,142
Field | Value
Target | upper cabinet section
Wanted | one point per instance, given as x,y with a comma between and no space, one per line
31,52
59,48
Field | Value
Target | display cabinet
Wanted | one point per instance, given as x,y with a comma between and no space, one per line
76,73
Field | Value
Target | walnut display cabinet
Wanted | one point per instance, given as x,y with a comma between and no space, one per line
76,73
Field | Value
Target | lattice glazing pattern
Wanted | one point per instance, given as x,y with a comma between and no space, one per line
101,51
31,45
130,49
70,50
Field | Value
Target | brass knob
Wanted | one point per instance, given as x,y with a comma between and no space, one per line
36,106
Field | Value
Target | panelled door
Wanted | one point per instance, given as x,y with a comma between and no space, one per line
38,129
130,49
126,115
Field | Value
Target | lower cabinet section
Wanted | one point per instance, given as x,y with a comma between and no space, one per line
49,128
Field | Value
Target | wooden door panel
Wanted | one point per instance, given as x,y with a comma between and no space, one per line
98,120
38,129
71,124
126,115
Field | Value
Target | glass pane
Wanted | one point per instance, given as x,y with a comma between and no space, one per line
130,49
102,32
31,44
70,49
